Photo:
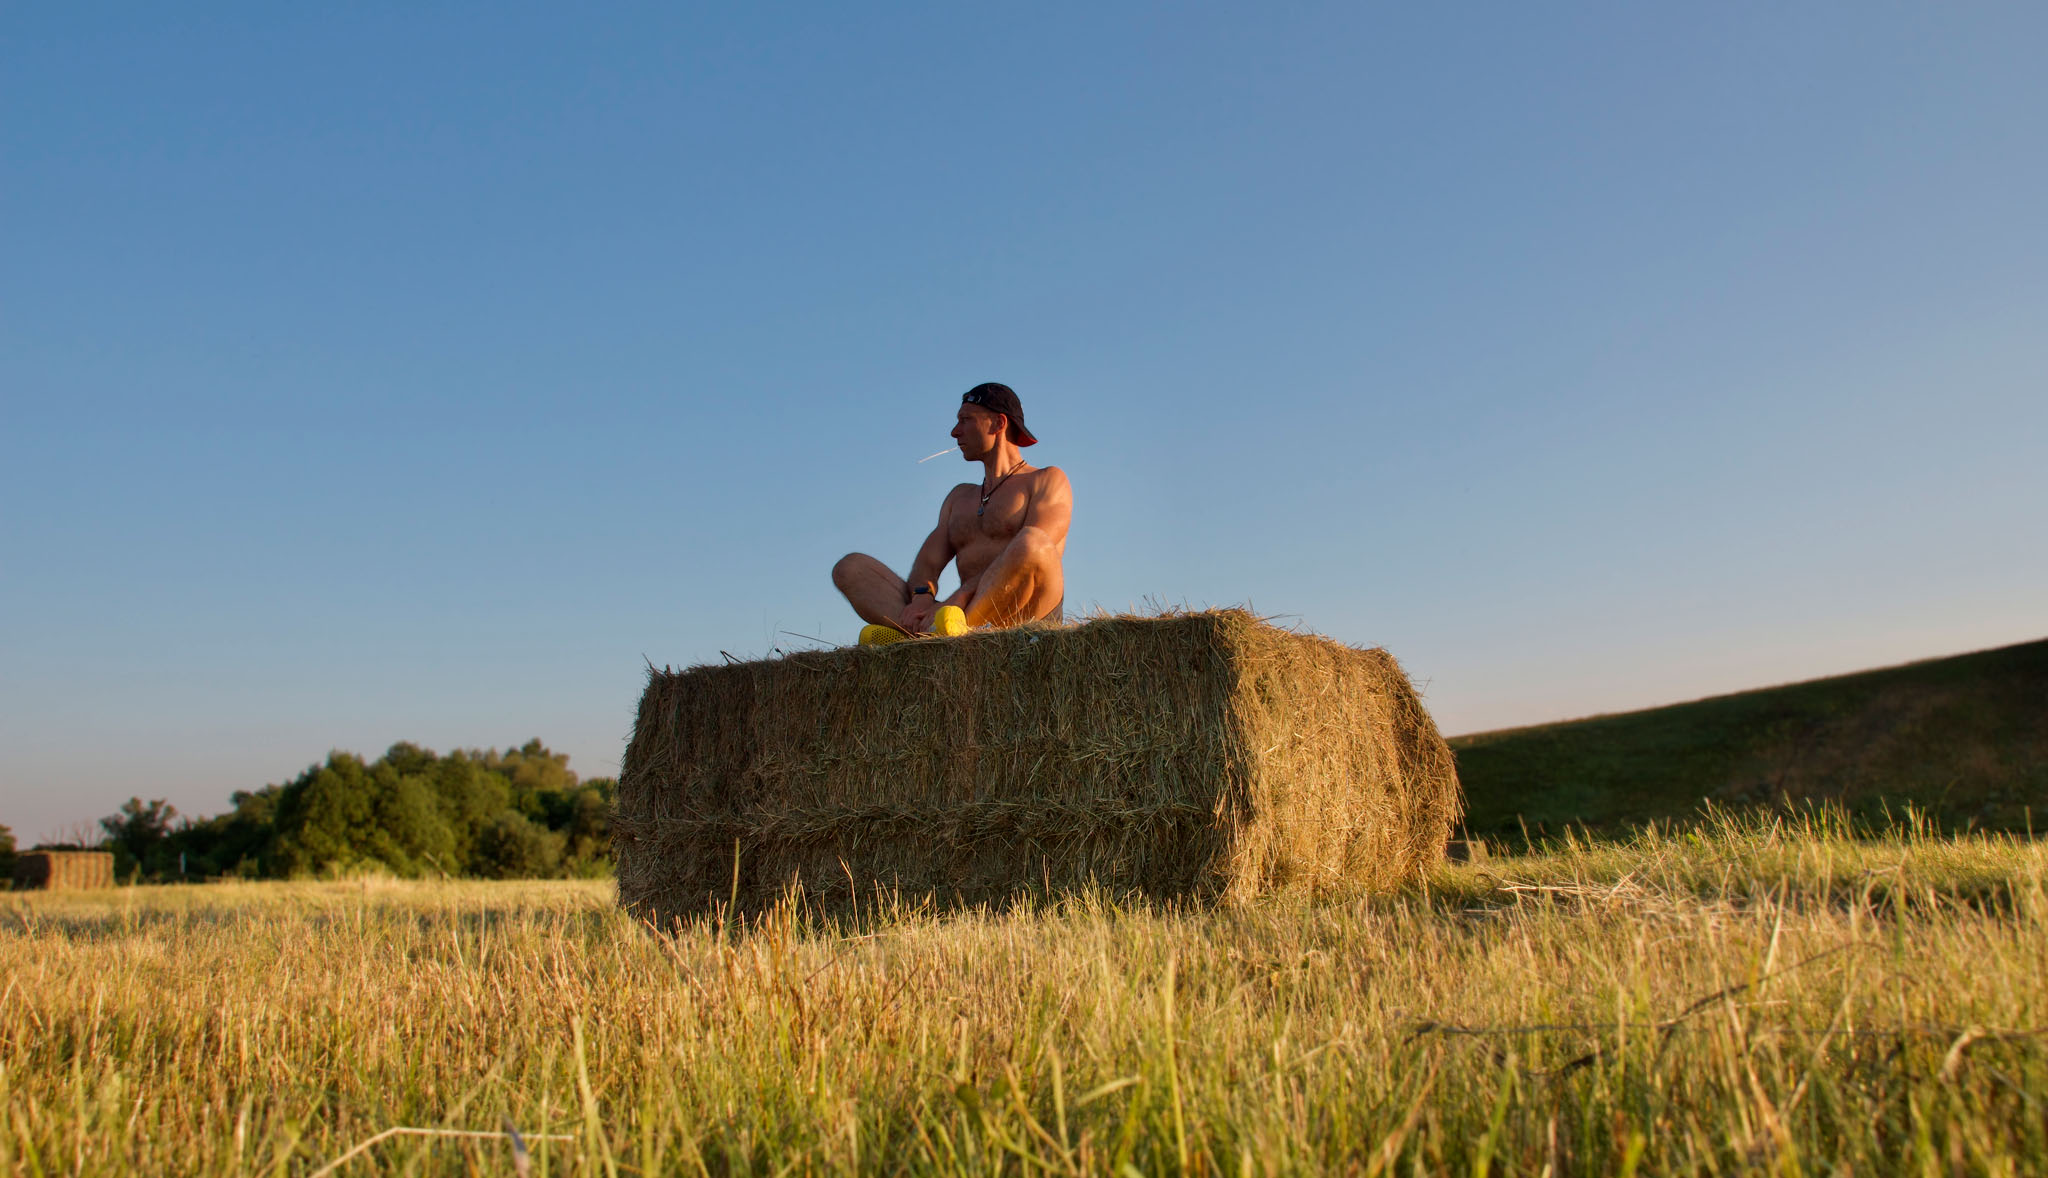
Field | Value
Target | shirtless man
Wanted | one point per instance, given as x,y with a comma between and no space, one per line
1008,533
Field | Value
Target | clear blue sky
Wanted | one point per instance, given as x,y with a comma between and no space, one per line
416,372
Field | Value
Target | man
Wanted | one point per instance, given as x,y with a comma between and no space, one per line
1008,533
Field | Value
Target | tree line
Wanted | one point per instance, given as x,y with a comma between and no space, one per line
517,814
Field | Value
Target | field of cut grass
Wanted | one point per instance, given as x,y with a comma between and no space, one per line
1736,999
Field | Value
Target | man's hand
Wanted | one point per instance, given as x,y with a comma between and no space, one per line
916,617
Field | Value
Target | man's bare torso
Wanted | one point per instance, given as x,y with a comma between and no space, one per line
978,539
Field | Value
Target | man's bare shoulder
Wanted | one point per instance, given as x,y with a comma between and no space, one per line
1047,477
960,492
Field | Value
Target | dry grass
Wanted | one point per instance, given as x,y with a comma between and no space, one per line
1731,1000
1203,754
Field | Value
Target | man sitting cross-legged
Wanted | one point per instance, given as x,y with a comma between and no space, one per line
1008,534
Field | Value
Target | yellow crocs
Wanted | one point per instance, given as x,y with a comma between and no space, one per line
876,635
950,621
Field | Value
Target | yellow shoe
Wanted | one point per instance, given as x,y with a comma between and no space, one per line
950,621
876,635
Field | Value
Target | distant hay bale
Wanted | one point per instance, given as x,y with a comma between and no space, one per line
52,871
1207,755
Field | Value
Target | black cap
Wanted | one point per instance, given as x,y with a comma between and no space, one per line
1001,398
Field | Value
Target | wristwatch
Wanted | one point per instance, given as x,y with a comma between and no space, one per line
926,588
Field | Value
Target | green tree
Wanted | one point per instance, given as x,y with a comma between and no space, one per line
519,812
6,852
531,767
346,815
411,834
136,835
513,846
410,759
469,796
241,842
587,828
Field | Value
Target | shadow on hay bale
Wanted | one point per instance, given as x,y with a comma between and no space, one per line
1207,756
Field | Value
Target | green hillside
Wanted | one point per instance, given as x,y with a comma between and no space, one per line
1964,739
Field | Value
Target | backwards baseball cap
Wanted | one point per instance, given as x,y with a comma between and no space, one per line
1001,398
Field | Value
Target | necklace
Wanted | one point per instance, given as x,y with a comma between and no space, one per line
999,486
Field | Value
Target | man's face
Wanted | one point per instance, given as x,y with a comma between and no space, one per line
978,432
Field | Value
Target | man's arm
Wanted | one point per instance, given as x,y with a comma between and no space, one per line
932,558
1051,508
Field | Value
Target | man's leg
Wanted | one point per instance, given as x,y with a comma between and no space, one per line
876,593
1024,583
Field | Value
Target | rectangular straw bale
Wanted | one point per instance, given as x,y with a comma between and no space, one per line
63,870
1205,755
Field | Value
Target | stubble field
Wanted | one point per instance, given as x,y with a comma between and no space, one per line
1746,997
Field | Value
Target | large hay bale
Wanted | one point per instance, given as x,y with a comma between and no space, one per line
53,871
1203,755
